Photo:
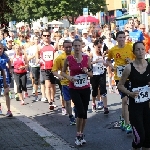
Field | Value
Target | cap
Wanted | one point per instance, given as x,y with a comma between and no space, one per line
9,39
84,31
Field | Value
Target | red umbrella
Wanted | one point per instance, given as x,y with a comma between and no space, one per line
81,19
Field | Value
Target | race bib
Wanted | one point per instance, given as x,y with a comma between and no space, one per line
98,68
47,56
81,80
120,70
144,94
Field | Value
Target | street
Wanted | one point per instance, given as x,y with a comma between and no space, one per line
99,131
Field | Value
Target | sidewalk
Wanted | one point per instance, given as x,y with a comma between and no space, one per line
15,135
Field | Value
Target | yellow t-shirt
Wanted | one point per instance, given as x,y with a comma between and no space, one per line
119,55
58,66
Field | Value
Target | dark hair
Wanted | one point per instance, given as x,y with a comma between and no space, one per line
118,33
76,40
138,42
99,41
66,41
126,31
46,30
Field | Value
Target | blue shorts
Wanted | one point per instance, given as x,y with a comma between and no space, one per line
65,92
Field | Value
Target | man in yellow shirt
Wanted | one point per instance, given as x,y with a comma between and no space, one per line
57,68
122,55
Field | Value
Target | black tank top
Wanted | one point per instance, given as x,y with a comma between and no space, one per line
139,80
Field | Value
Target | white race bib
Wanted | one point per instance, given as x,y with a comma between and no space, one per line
81,80
47,56
98,69
120,70
144,94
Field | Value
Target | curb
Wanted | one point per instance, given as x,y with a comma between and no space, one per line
55,141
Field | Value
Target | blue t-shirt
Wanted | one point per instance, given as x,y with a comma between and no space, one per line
4,42
4,59
136,35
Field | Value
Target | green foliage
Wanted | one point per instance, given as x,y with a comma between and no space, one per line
53,9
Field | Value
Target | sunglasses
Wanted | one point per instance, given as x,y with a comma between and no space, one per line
69,47
46,35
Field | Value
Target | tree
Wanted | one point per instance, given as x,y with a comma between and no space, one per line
53,9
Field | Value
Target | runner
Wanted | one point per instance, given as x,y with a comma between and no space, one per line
20,72
34,68
80,69
98,80
122,55
45,56
5,77
138,73
58,66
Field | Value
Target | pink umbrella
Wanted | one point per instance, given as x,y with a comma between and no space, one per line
81,19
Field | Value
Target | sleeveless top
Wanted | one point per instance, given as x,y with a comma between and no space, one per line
98,68
76,71
46,57
18,62
139,82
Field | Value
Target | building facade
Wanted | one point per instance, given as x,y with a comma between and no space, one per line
118,8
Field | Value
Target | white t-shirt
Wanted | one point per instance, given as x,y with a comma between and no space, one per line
10,54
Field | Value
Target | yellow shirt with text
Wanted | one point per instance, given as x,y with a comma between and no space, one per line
119,55
58,66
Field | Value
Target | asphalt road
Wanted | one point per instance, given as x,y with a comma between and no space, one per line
99,131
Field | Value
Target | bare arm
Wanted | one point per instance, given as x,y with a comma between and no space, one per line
89,72
65,69
37,55
123,79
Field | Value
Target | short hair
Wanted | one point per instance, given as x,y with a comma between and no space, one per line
46,30
138,42
119,32
98,41
76,40
66,41
126,31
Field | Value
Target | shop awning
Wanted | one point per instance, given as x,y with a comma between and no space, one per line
125,17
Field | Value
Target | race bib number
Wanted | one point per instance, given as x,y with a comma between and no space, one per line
47,56
81,80
120,70
98,68
144,94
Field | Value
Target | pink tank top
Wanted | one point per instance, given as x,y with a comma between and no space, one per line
76,72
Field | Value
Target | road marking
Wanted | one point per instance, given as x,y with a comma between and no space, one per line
55,141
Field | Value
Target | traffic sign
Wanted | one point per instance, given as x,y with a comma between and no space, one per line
85,11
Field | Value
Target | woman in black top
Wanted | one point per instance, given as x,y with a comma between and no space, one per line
138,73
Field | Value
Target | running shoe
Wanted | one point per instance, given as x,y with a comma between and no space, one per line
36,98
93,107
78,141
83,141
22,102
16,97
64,111
72,120
106,111
122,125
44,99
9,114
100,105
51,107
128,129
